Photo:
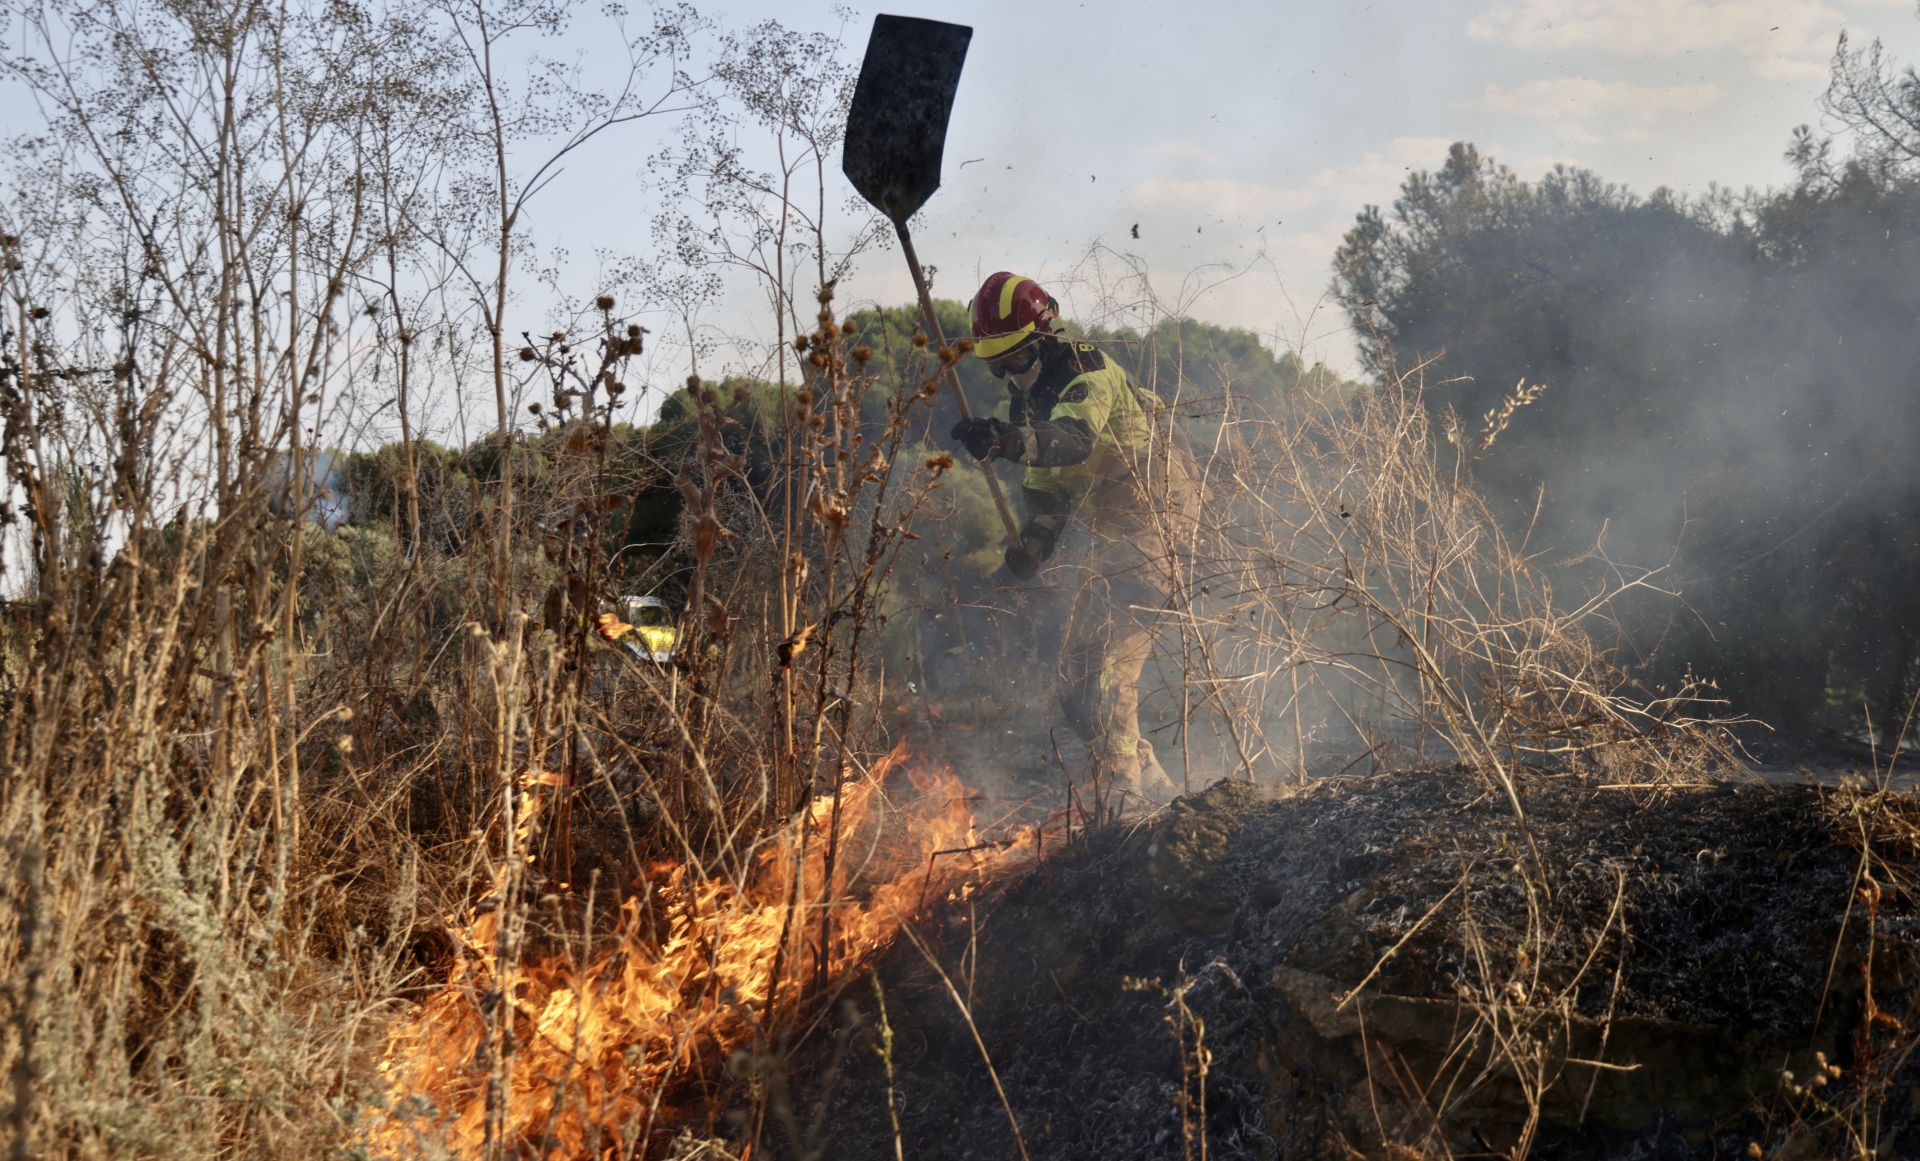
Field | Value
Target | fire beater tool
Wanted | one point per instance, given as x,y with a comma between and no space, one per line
896,132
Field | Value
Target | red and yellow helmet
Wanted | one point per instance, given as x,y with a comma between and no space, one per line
1007,310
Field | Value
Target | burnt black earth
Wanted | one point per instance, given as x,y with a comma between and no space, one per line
1631,973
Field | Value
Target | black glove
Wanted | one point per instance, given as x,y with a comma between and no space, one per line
989,437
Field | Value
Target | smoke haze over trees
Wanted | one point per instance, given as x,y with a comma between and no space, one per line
1731,386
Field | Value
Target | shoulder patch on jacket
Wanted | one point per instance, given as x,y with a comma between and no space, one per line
1088,358
1076,392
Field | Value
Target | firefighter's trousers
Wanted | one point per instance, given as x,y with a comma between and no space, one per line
1109,637
1142,531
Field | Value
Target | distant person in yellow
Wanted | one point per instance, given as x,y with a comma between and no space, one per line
652,635
1097,448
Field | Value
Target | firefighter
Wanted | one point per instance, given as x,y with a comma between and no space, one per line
1098,449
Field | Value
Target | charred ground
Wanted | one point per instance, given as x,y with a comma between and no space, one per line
1693,941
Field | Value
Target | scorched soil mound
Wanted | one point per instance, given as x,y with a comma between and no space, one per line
1633,989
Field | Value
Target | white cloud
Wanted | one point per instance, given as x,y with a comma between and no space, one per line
1782,39
1373,178
1783,68
1279,237
1376,177
1222,198
1234,250
1184,152
1591,111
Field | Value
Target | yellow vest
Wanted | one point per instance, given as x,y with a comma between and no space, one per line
1105,401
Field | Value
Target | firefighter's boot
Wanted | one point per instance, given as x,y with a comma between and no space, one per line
1156,784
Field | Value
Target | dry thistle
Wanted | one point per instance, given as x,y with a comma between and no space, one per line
919,339
939,462
862,353
604,302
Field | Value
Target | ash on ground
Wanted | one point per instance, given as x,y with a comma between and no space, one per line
1396,965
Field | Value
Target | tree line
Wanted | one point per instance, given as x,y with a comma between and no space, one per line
1729,392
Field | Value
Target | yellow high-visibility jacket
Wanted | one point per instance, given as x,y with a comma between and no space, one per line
1099,395
1094,450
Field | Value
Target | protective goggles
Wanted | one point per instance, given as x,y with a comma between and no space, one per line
1015,362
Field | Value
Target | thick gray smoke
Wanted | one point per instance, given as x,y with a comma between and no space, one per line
1731,389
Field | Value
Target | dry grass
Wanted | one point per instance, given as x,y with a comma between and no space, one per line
258,773
1351,594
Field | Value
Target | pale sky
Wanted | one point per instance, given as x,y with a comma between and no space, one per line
1245,136
1242,137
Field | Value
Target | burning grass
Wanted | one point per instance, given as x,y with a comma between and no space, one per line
621,1041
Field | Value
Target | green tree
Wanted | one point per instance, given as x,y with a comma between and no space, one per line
1726,387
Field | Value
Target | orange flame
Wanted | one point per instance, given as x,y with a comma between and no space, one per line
607,1058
